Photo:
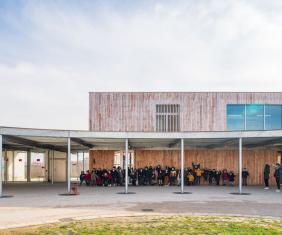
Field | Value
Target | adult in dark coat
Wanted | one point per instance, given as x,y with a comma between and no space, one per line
245,175
277,175
266,173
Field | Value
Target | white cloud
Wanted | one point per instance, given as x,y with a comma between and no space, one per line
53,54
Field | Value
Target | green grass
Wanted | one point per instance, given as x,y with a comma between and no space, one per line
160,225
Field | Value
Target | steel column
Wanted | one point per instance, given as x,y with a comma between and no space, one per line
240,165
182,165
1,166
126,166
28,167
69,165
53,167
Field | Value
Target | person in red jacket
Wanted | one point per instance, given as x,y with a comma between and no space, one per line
87,178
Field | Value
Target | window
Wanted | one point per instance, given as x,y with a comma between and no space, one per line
236,117
167,118
119,159
254,117
272,117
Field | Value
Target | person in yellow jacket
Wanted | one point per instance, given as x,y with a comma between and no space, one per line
198,173
190,178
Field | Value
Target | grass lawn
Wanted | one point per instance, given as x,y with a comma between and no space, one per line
159,225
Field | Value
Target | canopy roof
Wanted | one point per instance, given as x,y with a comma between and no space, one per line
40,139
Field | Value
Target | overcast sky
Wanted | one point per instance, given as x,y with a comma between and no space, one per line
52,53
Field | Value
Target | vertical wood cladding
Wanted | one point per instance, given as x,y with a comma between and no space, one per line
101,159
253,160
199,111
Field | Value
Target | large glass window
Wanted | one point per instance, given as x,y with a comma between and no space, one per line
235,117
254,117
272,117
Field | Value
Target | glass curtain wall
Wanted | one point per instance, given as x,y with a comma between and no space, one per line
254,117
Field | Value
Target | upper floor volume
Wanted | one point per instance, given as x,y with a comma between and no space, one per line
184,111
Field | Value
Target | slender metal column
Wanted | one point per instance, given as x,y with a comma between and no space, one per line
13,166
182,165
1,167
83,161
6,166
126,166
240,165
69,165
53,167
28,168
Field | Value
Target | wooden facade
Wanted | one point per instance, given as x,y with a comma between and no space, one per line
199,111
253,160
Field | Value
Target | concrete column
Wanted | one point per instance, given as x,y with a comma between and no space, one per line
126,166
1,166
240,165
182,165
69,165
28,171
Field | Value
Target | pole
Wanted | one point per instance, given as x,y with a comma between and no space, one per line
126,166
1,164
182,165
28,169
69,165
53,167
240,165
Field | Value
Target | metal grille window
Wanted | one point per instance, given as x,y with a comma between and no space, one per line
167,117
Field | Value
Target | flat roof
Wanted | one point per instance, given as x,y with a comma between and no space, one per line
32,138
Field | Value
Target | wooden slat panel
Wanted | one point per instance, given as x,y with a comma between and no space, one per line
253,160
199,111
101,159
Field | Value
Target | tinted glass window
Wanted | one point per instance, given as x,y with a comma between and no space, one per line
235,117
272,117
254,117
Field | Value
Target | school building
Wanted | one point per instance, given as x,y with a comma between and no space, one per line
219,130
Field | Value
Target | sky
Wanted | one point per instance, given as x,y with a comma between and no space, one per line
53,53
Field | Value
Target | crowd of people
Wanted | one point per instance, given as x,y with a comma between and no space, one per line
194,175
157,176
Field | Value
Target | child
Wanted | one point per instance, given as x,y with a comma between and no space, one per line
87,178
190,179
224,177
198,173
81,177
231,178
173,176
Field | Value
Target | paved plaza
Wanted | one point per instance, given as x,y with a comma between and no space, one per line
40,203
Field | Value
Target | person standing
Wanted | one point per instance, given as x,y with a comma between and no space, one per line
277,175
198,173
225,177
266,173
245,175
217,177
231,178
